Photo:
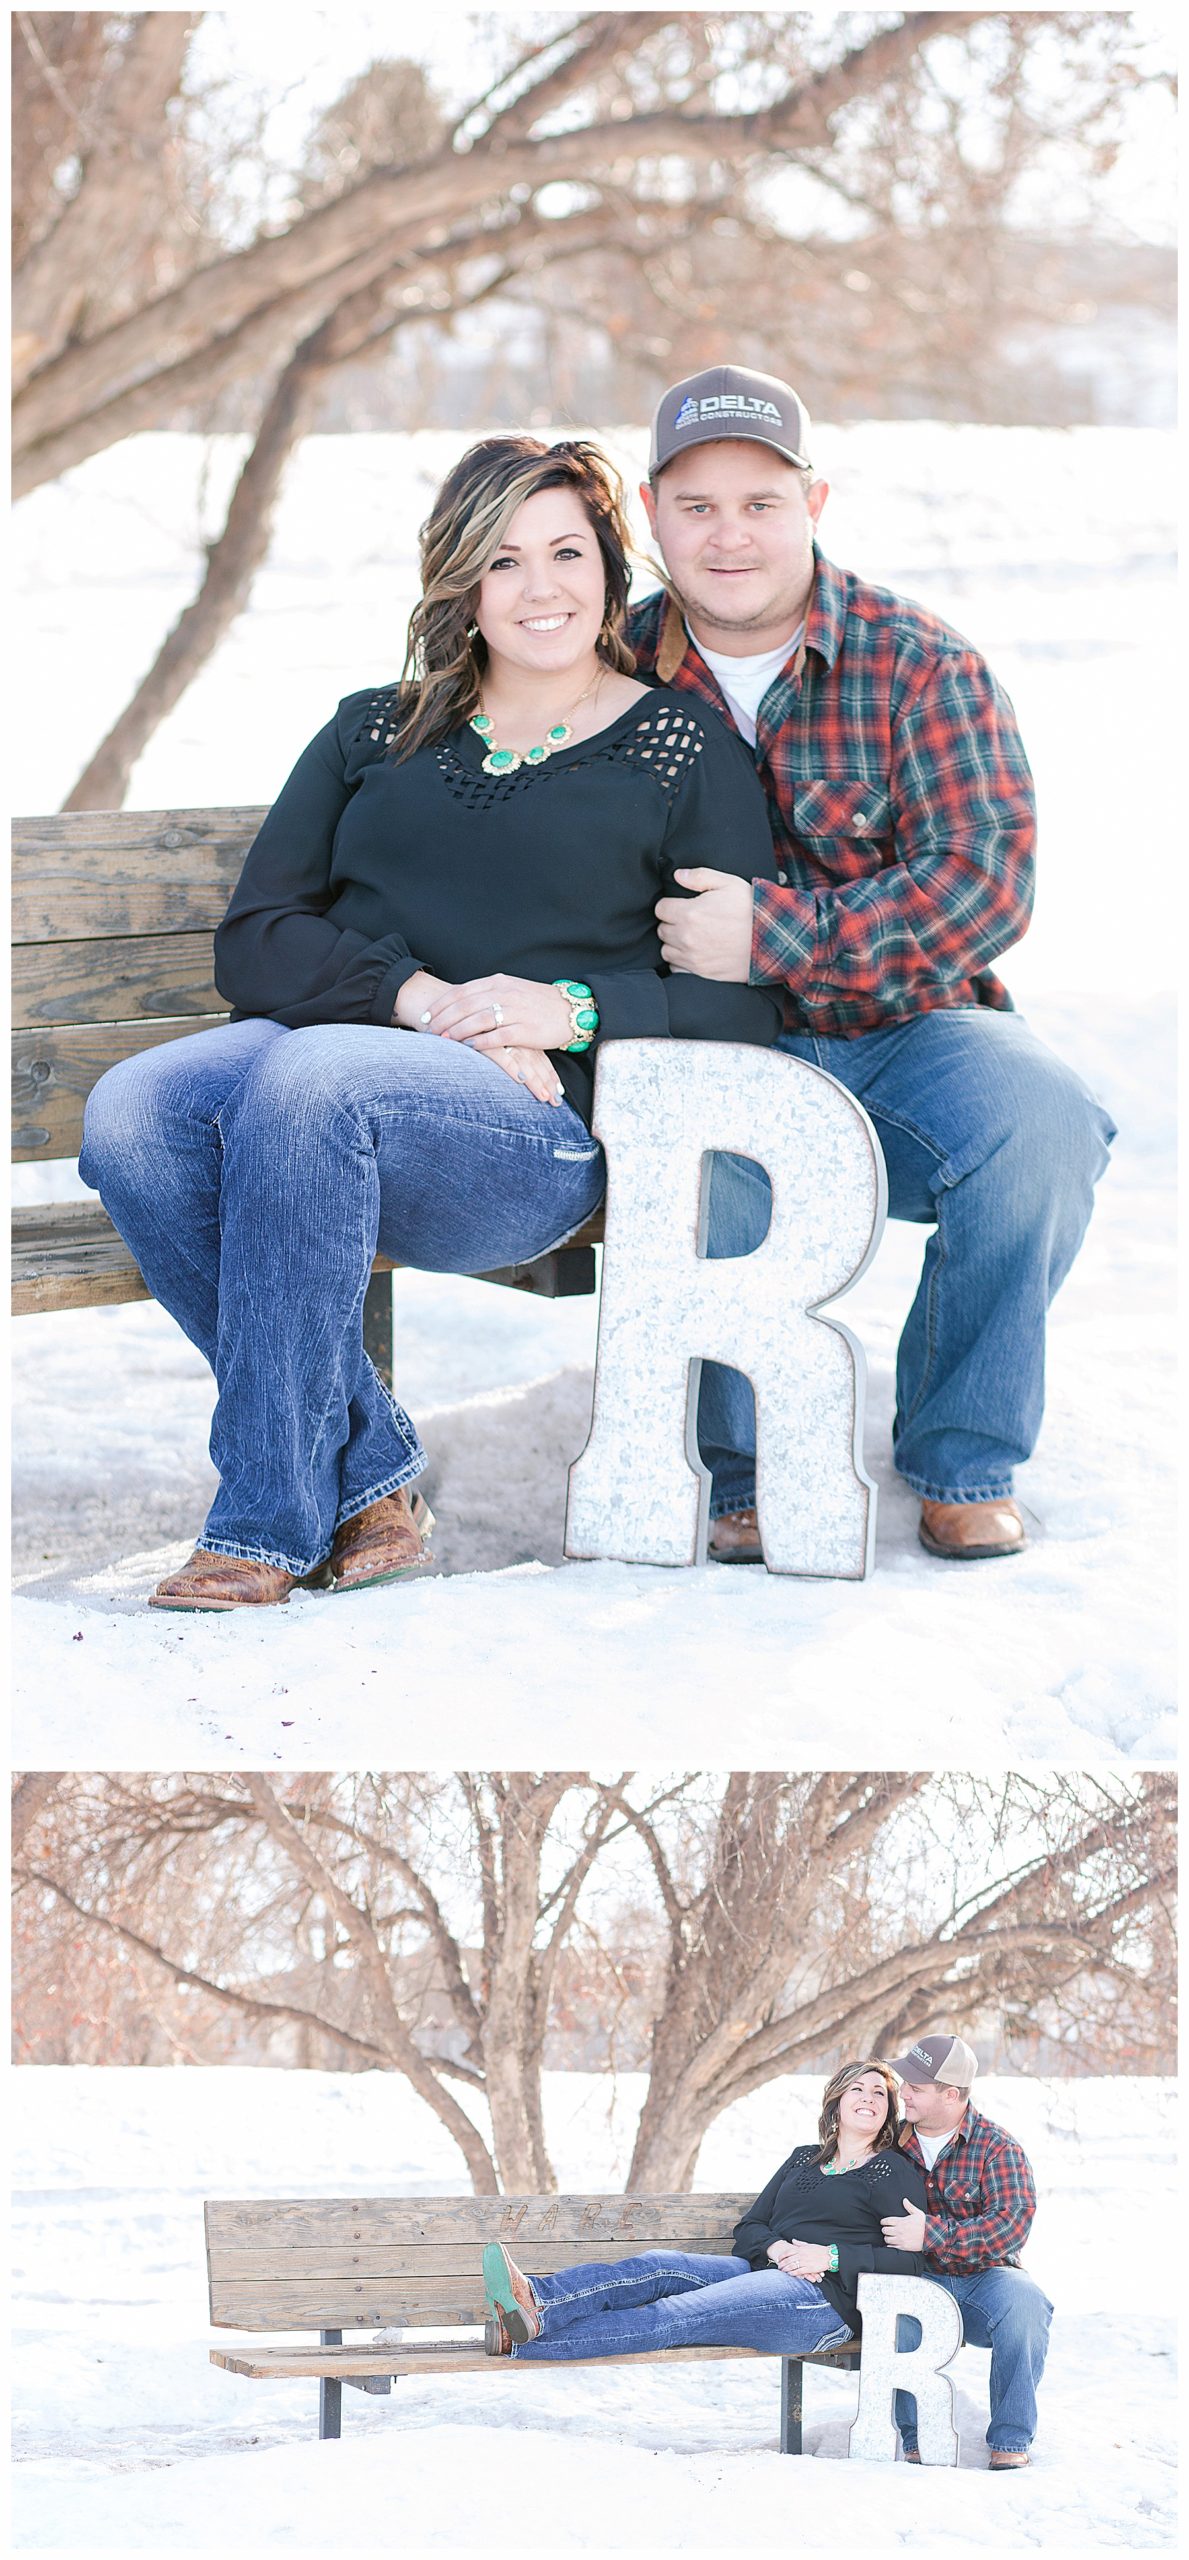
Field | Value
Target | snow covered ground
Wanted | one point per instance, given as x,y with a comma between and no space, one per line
1052,549
128,2440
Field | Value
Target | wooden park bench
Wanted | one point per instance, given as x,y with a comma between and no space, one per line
113,918
415,2263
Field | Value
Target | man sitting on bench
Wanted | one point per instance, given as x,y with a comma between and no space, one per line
901,809
979,2202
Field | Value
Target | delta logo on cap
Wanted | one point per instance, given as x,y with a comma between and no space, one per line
692,412
724,401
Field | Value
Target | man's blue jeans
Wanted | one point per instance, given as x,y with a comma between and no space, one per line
254,1172
995,1144
1004,2310
665,2298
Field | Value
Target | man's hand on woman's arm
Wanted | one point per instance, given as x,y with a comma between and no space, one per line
708,935
905,2230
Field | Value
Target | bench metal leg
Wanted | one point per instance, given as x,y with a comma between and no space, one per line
792,2373
330,2395
377,1323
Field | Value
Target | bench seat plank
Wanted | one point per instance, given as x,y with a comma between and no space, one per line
280,2364
67,1253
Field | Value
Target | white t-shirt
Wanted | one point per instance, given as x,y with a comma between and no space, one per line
931,2144
745,681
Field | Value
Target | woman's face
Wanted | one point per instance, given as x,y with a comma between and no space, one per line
541,602
863,2107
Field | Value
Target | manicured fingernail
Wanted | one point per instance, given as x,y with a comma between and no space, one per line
424,1017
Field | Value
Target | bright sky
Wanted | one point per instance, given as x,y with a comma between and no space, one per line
322,50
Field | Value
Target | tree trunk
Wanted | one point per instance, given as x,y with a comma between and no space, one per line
232,563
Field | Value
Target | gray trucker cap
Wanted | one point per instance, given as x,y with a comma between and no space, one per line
945,2060
726,400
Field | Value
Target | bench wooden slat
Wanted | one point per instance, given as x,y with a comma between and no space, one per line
67,1253
279,2364
126,871
53,1072
437,2241
429,2264
116,980
252,2222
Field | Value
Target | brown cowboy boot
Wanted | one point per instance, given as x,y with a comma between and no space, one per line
967,1532
390,1538
209,1581
735,1538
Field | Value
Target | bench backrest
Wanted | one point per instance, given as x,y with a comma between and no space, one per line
113,917
341,2264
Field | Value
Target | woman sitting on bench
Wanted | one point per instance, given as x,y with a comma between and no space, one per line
791,2286
449,906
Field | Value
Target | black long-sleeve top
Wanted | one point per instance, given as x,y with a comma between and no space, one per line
800,2203
367,869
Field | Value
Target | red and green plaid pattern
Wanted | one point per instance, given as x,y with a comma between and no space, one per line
901,806
980,2198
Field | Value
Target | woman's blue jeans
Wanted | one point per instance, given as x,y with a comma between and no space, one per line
665,2298
993,1142
254,1172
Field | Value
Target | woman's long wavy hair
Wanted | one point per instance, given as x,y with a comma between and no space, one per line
460,538
832,2095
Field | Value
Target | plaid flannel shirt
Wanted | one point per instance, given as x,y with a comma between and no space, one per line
900,801
979,2198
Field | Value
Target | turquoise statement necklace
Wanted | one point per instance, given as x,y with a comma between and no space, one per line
506,759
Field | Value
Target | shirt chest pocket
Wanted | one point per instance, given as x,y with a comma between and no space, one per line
844,822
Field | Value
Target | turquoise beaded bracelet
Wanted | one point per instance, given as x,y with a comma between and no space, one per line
584,1012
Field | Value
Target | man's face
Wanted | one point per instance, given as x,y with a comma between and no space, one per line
735,522
932,2109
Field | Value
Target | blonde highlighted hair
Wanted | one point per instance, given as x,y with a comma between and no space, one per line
833,2094
460,538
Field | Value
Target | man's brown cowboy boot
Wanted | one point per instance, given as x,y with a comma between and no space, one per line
735,1538
966,1532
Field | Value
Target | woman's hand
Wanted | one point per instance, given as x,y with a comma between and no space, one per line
800,2258
530,1067
533,1015
416,995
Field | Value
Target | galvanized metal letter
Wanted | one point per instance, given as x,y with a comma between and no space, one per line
639,1491
886,2368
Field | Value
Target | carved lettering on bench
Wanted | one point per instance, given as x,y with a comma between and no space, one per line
512,2217
886,2368
549,2218
639,1492
592,2217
